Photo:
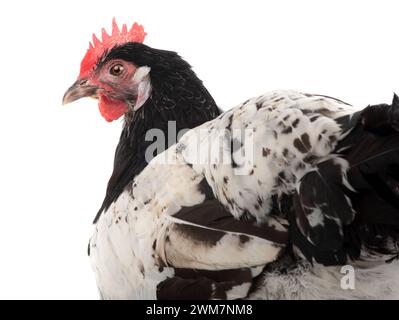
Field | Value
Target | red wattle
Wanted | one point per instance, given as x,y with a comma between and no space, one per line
111,109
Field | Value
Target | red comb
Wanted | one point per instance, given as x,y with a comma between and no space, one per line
118,37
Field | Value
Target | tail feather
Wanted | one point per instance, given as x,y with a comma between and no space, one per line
382,119
371,150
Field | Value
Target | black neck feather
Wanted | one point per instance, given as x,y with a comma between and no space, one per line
177,95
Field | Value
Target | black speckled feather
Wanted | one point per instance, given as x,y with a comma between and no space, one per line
369,218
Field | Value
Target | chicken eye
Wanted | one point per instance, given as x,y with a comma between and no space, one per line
116,70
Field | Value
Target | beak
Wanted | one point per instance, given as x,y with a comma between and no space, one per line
80,89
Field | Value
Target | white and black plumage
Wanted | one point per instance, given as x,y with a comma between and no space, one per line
322,188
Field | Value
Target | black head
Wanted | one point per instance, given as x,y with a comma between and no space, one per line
127,76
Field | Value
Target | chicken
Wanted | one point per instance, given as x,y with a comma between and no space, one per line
280,182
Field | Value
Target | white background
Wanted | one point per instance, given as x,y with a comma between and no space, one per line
56,160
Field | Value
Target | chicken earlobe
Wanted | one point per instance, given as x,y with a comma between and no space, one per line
142,78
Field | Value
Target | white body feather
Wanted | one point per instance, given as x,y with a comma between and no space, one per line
135,245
